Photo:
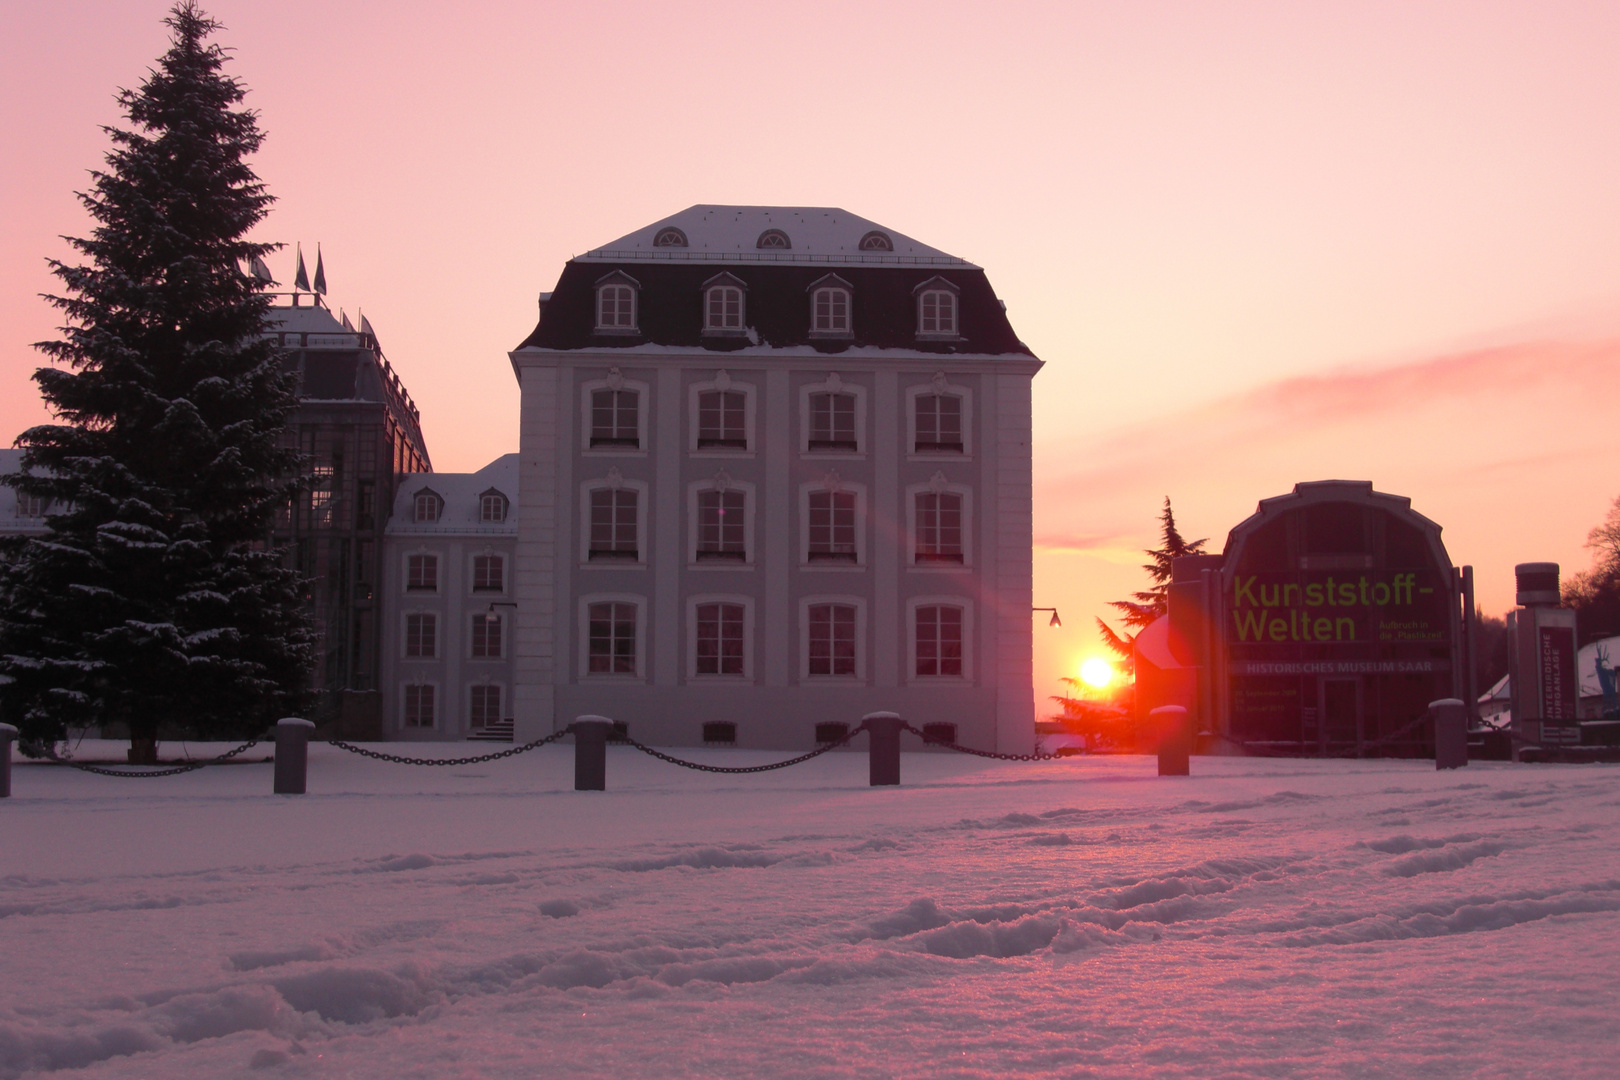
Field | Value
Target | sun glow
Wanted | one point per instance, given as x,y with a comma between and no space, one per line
1097,672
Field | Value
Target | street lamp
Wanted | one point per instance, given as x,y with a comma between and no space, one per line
1055,620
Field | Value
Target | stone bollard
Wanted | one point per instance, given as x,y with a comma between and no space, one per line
1450,733
292,755
1175,739
8,735
883,747
590,752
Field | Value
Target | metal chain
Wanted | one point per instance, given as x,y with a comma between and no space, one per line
398,760
50,752
661,756
1037,756
1354,751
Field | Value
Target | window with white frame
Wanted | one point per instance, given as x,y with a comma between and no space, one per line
829,309
939,636
832,421
719,643
722,526
31,506
492,507
488,637
938,423
773,238
610,641
613,524
418,705
936,312
489,573
422,635
669,236
427,506
615,418
615,307
722,419
724,309
876,241
832,642
832,527
938,527
483,705
421,573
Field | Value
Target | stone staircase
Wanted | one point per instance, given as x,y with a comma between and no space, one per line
499,731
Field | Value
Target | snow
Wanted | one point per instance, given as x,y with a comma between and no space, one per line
1264,917
823,234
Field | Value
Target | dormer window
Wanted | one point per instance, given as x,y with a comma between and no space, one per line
723,308
669,237
936,309
773,239
492,506
427,507
876,241
830,307
616,304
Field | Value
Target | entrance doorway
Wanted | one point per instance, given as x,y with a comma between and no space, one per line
1340,714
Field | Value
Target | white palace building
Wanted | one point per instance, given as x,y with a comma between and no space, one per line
773,474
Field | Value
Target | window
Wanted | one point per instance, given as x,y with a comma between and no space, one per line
365,512
427,506
723,419
831,732
422,573
669,236
492,506
31,506
422,635
613,533
876,241
483,705
832,639
721,526
832,526
487,636
939,734
418,705
724,308
832,422
829,311
939,527
937,313
722,732
322,494
615,418
611,638
489,573
773,239
615,307
720,639
939,641
938,423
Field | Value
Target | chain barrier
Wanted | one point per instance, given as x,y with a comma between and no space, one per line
399,760
661,756
1037,756
1354,751
49,750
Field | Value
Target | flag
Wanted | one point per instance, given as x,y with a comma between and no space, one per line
301,279
344,319
260,271
365,328
320,272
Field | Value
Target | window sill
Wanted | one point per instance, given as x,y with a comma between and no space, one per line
939,568
854,681
939,680
604,676
939,337
720,452
617,331
834,567
833,455
611,564
725,332
832,335
609,451
747,567
938,455
731,680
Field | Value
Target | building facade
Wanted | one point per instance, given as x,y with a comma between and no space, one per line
775,474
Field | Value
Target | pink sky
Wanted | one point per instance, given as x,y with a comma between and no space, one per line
1255,242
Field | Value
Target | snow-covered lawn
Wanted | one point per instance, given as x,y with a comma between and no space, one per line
1079,917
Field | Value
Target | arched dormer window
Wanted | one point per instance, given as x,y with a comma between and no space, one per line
830,304
669,237
876,241
616,303
723,307
773,239
492,507
936,309
427,506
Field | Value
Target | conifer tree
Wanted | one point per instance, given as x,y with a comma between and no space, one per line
1146,606
153,598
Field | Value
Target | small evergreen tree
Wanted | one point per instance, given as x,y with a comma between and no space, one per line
1595,593
153,598
1150,604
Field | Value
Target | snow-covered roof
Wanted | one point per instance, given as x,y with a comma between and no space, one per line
814,234
460,492
305,319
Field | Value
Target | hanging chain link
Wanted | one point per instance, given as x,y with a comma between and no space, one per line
661,756
1037,756
1354,751
192,766
398,760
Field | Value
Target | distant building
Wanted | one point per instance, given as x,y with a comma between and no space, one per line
360,433
446,594
775,474
20,515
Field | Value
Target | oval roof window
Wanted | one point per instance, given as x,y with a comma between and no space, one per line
773,238
670,237
876,241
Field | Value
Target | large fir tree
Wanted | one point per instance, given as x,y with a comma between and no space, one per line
153,599
1146,606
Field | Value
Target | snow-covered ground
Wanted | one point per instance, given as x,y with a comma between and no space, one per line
1081,917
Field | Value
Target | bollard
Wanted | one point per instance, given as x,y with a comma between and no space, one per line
590,752
1450,733
292,755
1175,739
883,747
8,735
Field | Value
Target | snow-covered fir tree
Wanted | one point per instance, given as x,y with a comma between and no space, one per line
153,599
